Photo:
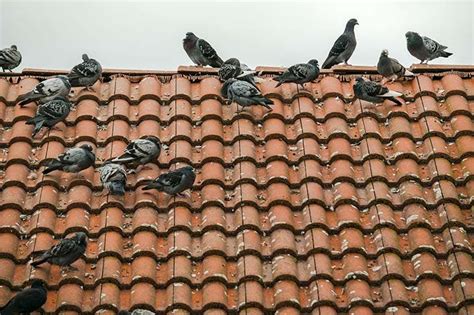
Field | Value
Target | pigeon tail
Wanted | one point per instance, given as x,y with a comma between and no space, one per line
25,99
393,99
330,61
53,166
40,261
123,159
445,54
153,185
391,94
408,73
38,122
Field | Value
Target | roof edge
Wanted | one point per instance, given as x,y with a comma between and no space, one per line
196,70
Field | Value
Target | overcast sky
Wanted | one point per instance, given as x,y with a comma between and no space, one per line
148,34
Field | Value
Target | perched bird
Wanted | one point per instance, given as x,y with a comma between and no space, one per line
232,69
390,68
373,92
200,51
47,90
344,46
85,73
174,182
114,178
10,58
140,152
26,301
245,94
299,73
424,48
73,160
49,114
64,253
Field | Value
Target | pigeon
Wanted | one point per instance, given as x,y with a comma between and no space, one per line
85,73
200,51
140,152
49,114
10,58
344,46
73,160
173,182
245,94
64,253
374,92
47,90
299,73
390,68
424,48
232,68
114,178
26,301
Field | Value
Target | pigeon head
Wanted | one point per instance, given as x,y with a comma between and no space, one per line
85,57
13,47
313,62
190,36
86,147
232,61
413,36
81,238
37,283
188,169
384,53
351,23
153,139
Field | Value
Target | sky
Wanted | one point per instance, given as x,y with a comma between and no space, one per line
148,34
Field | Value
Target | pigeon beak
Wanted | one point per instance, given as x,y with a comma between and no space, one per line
357,23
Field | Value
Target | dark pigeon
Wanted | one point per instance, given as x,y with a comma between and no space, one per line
64,253
174,182
373,92
245,94
114,178
85,73
140,152
48,90
390,68
49,114
26,301
73,160
10,58
201,52
344,46
424,48
299,73
232,69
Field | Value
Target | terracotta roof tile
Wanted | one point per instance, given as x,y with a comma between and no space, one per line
325,205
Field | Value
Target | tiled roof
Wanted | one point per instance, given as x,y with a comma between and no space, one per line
325,205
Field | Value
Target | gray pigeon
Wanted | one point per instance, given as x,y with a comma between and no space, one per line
73,160
47,90
114,178
245,94
49,114
140,152
424,48
85,73
373,92
26,301
173,182
344,46
10,58
64,253
200,51
299,73
232,68
390,68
